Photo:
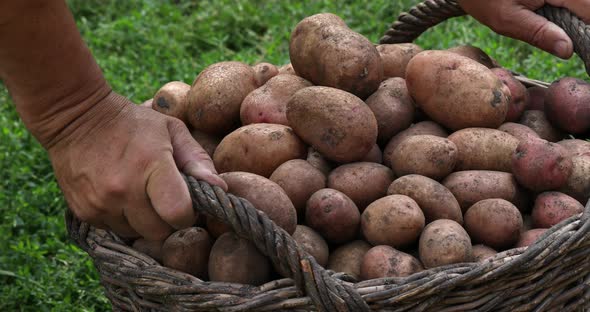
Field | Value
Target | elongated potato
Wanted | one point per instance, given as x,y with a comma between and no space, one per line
426,155
423,127
336,123
385,261
435,200
576,147
395,58
326,52
258,148
484,149
456,91
474,53
494,222
519,131
217,94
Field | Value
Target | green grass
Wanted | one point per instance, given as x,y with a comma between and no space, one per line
141,45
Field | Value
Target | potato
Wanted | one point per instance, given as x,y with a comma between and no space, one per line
374,155
521,132
518,94
567,105
540,165
268,104
172,100
444,242
536,98
578,184
393,108
435,200
149,247
216,228
287,69
537,121
482,252
313,243
236,260
348,258
207,141
456,91
187,250
326,52
216,96
494,222
426,155
385,261
474,53
471,186
258,148
147,103
529,237
333,215
265,195
318,161
299,179
363,182
553,207
484,149
336,123
394,220
263,72
576,147
424,127
395,58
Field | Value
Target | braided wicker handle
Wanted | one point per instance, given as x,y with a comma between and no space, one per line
410,25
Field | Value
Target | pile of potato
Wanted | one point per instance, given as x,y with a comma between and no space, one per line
380,161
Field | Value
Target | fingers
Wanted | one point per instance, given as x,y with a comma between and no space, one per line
190,157
121,226
169,195
581,8
145,221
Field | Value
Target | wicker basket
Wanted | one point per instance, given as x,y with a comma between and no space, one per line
551,275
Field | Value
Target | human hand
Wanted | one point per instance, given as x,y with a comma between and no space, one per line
517,19
118,167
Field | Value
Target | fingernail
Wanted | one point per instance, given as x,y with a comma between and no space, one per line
561,48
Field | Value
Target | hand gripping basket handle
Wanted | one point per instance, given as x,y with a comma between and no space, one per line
410,25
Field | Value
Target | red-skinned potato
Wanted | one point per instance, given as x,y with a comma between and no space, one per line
188,250
313,243
540,165
172,100
529,237
348,258
332,214
421,128
537,120
553,207
482,252
474,53
426,155
567,105
576,147
484,149
518,94
494,222
386,261
395,58
263,72
519,131
536,98
444,242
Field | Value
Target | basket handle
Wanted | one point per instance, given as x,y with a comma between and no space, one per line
410,25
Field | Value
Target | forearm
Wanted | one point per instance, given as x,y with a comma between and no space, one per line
48,70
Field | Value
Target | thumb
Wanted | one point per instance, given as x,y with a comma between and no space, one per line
190,157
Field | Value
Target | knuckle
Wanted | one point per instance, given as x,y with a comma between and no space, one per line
115,186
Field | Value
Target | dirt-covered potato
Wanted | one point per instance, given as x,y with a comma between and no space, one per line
333,215
258,148
456,91
421,128
217,94
553,207
268,104
263,72
567,105
326,52
394,220
471,186
318,161
187,250
393,107
299,179
287,69
374,155
236,260
363,182
265,195
313,243
536,98
576,147
207,141
578,184
494,222
395,58
336,123
435,200
519,131
537,120
518,94
386,261
529,237
482,252
540,165
149,247
444,242
172,100
348,258
426,155
475,54
484,149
